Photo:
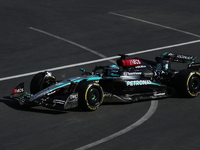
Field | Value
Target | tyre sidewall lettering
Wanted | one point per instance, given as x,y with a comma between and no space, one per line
188,88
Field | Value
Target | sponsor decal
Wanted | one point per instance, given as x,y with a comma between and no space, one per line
131,62
57,101
180,56
194,65
138,82
159,94
131,73
52,92
107,95
21,90
141,66
73,96
134,62
171,54
148,74
185,57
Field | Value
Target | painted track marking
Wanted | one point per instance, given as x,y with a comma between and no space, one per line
149,113
71,42
68,41
155,24
99,60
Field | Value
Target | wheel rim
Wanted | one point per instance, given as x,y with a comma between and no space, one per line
194,85
93,97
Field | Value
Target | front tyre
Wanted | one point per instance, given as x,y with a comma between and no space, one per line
187,83
41,81
90,96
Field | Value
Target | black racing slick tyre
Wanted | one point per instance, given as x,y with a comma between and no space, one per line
187,83
41,81
90,96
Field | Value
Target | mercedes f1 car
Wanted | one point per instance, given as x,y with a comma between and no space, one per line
132,79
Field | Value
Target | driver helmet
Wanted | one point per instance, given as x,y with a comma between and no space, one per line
114,67
113,70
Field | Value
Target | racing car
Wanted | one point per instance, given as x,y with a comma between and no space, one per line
130,80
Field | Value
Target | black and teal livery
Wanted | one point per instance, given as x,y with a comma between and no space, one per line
132,79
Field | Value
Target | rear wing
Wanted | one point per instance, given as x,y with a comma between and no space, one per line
178,57
168,57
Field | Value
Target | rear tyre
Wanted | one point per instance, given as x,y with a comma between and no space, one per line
90,96
41,81
187,83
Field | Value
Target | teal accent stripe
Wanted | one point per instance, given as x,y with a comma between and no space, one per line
194,58
78,80
155,84
93,78
165,54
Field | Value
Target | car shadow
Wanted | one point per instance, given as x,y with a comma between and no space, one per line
37,109
108,102
55,111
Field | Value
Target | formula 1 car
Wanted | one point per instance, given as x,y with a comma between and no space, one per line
132,79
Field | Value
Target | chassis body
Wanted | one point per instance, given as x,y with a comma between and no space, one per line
131,80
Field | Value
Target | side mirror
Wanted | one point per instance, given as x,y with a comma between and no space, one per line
82,69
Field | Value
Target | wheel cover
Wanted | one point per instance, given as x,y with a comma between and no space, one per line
94,97
194,84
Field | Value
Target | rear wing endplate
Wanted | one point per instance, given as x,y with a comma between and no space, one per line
179,57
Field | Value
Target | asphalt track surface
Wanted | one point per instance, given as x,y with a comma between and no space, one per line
40,35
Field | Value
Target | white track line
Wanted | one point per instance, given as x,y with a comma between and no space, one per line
155,24
71,42
99,60
68,41
149,113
